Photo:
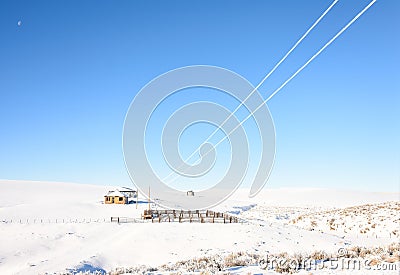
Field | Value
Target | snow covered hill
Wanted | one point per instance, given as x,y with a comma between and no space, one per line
50,227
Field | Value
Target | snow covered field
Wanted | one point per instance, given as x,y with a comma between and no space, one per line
52,228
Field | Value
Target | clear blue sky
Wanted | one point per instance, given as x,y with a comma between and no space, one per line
69,72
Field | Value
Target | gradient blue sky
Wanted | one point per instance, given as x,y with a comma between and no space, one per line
70,71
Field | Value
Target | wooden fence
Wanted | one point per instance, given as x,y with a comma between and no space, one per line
200,216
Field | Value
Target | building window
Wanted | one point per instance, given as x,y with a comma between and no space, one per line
120,199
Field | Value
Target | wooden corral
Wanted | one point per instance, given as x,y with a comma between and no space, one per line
200,216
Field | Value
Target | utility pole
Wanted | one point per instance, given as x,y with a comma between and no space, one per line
149,199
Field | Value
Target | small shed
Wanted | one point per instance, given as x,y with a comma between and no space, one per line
115,197
190,193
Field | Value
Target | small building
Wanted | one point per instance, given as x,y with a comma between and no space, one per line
190,193
116,197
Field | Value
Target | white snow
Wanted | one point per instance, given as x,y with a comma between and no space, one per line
116,193
51,227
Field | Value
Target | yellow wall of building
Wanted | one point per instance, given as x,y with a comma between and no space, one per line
115,200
